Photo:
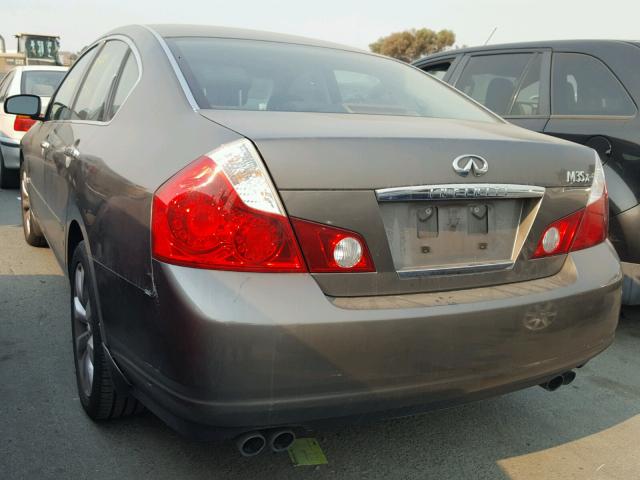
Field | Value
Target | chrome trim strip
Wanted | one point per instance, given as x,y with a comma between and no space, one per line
458,191
472,268
176,69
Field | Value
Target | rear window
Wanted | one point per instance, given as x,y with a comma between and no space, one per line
583,85
234,74
41,82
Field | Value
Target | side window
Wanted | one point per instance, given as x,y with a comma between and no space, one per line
527,101
128,79
583,85
60,108
493,80
93,97
438,70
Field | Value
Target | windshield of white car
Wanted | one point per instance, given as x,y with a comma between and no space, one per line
41,82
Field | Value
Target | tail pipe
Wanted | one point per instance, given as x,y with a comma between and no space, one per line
251,444
556,382
568,377
281,440
278,440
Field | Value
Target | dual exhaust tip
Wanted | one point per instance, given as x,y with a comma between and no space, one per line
253,443
556,382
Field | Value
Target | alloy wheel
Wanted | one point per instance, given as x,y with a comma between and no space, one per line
83,330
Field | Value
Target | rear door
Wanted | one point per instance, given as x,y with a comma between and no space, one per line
589,105
39,152
70,141
513,84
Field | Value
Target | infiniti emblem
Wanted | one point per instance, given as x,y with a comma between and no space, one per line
465,164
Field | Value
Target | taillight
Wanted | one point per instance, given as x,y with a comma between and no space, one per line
582,229
23,123
331,249
222,212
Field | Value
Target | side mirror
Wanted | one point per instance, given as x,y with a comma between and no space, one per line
27,105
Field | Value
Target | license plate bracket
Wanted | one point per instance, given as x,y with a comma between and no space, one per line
445,234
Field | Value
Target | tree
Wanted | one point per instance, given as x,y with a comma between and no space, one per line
413,44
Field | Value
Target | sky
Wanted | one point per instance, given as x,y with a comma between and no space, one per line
356,23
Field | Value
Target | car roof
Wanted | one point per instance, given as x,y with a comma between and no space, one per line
179,30
578,45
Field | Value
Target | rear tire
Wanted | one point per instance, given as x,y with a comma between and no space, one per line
8,178
96,390
30,227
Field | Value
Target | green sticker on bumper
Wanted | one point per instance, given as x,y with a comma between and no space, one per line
307,451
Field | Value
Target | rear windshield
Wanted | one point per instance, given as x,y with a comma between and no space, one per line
232,74
41,82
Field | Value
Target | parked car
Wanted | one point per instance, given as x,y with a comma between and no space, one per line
302,231
36,80
586,91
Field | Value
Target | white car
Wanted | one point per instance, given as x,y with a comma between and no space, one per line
35,80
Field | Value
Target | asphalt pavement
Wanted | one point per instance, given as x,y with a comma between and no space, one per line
588,430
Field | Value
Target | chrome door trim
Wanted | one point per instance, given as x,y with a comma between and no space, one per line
458,191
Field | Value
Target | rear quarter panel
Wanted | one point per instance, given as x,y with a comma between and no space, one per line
154,134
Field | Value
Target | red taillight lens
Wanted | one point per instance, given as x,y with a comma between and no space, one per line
595,224
22,123
201,218
563,232
583,229
330,249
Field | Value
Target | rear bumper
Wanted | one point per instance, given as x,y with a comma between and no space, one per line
237,351
10,150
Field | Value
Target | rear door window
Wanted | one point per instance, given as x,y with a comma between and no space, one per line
508,84
60,107
127,80
583,85
93,98
438,70
41,82
527,100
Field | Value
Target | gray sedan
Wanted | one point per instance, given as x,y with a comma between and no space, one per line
263,232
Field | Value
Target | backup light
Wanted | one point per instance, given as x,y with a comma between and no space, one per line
551,240
347,252
329,249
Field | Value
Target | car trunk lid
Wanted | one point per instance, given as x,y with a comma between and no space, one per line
392,180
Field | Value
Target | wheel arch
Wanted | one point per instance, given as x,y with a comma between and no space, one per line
76,232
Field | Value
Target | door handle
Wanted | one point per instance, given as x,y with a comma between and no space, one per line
45,145
71,152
